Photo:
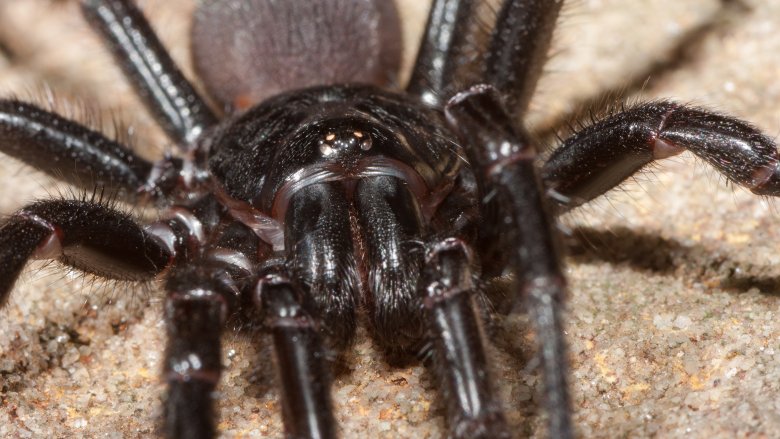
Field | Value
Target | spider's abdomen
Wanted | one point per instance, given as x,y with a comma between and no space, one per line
248,50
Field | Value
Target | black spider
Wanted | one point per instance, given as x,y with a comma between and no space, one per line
320,200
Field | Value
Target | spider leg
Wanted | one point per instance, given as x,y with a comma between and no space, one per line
181,112
73,153
505,157
447,40
512,61
84,234
518,49
447,287
215,273
201,295
606,153
305,379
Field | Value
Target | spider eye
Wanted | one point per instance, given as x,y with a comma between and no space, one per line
344,142
366,144
325,149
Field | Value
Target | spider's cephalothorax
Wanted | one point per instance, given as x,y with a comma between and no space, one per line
327,190
363,178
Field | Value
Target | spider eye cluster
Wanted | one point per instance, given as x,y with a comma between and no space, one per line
333,143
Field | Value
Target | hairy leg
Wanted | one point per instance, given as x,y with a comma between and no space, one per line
504,157
75,154
605,154
182,113
449,293
87,235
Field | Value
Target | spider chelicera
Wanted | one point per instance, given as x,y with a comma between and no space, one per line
507,233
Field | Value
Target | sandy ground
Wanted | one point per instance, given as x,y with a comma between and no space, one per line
672,316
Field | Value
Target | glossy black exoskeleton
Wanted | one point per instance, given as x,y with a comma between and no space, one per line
356,187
